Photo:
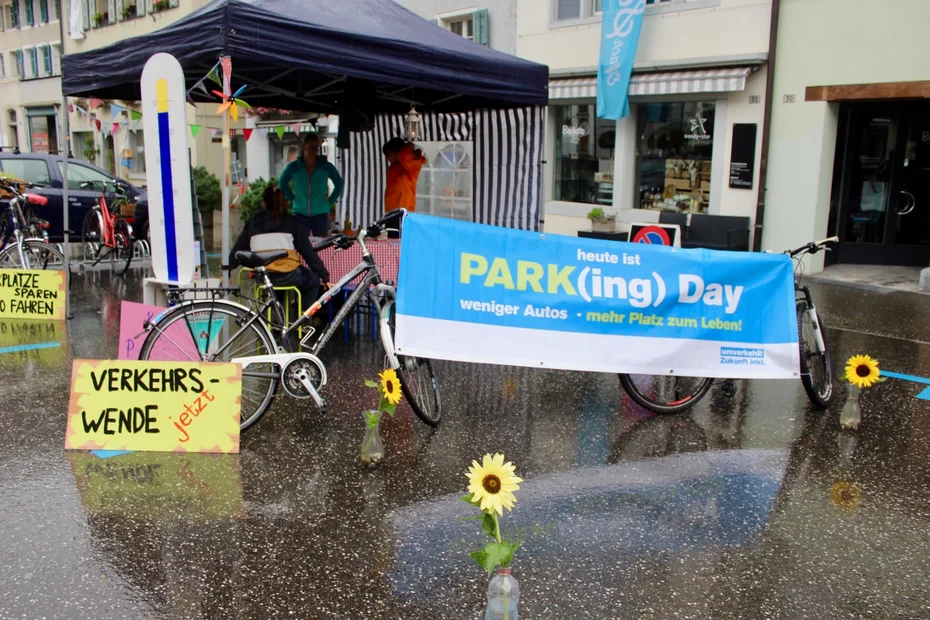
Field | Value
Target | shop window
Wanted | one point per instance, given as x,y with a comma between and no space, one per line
584,148
43,130
444,187
673,156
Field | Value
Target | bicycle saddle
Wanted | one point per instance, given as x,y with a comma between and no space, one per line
253,260
36,199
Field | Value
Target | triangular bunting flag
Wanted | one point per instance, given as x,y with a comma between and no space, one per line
195,129
213,76
135,115
202,87
98,124
280,131
247,133
115,109
213,132
95,103
115,127
295,127
190,100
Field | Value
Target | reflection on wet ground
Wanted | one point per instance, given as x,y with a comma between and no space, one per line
752,505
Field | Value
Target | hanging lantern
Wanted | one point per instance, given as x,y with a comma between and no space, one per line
412,125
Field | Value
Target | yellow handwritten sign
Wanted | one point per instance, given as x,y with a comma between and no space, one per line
32,294
157,406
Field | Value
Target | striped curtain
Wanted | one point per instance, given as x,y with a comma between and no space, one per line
508,151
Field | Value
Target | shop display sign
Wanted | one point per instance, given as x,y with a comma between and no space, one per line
743,155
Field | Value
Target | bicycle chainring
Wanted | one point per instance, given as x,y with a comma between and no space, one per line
300,368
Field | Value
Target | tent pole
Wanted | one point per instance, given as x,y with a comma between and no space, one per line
226,147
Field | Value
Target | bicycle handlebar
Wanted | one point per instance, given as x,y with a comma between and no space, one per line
813,247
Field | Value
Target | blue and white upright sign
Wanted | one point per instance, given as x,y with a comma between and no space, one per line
622,21
476,293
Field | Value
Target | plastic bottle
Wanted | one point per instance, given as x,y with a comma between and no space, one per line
503,596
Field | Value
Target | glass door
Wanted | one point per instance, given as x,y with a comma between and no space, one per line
884,184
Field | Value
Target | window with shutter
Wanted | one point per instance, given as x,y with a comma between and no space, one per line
57,9
172,3
111,11
30,17
2,66
14,14
482,32
33,62
47,59
85,10
56,59
43,11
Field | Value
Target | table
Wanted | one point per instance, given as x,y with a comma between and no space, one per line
386,253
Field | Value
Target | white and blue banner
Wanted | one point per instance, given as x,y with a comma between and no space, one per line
620,27
475,293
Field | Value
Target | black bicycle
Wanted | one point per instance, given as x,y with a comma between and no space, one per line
269,351
671,394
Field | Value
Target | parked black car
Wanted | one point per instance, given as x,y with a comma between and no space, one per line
44,171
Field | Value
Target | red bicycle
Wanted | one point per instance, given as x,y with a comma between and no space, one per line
104,229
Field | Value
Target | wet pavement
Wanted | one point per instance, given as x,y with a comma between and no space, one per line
752,505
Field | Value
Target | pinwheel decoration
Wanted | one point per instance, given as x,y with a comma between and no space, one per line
231,103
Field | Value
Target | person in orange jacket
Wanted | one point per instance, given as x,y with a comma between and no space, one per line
404,164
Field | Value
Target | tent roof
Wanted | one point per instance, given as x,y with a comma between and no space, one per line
301,54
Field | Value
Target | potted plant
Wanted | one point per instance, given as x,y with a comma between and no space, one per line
100,19
601,222
129,11
159,5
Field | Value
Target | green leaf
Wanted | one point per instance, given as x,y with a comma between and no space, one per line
488,525
494,554
467,498
370,383
372,419
388,408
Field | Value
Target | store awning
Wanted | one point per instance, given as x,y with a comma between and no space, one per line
660,83
686,82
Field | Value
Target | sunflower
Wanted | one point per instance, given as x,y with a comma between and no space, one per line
862,371
390,386
493,483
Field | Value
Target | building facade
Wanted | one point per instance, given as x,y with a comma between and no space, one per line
699,75
488,22
850,131
30,75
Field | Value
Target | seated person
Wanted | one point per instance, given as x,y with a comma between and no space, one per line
274,228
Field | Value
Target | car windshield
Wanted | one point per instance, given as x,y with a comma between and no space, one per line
86,178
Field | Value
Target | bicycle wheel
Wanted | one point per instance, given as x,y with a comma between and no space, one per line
121,255
816,374
665,393
91,235
419,384
197,331
37,254
6,226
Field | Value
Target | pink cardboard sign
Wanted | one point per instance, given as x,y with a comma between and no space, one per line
178,341
132,317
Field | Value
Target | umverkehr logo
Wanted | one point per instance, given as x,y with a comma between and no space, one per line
742,355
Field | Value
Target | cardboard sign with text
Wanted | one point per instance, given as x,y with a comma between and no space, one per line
32,294
155,406
132,318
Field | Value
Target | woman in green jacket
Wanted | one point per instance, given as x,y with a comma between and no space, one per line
310,198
